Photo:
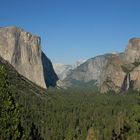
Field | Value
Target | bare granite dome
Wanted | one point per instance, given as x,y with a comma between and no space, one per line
132,53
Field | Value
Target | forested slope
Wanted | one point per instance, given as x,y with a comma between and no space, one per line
73,114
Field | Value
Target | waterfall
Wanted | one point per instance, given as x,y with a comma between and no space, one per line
127,81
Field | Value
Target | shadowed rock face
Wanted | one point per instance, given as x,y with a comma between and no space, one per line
23,51
49,73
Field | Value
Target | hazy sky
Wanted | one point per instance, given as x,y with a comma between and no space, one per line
75,29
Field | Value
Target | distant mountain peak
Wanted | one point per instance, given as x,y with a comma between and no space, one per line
63,70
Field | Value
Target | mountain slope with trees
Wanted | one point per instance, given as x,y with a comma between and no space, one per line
74,114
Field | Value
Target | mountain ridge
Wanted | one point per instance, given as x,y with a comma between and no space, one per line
107,71
87,71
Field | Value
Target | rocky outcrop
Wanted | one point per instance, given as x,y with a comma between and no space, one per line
88,72
112,76
132,57
23,51
123,72
112,72
132,52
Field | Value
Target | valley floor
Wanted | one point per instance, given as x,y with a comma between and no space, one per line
82,114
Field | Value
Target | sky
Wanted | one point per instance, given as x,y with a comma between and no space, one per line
74,30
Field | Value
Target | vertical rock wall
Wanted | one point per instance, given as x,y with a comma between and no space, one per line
23,51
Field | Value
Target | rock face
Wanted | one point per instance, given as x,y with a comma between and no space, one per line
112,75
23,51
112,72
132,56
132,52
123,72
50,76
88,72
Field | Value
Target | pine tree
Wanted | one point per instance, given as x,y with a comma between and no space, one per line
10,128
136,118
34,134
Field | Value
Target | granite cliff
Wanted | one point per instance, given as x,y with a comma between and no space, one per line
123,72
88,73
110,72
23,51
